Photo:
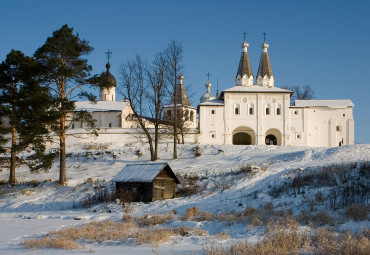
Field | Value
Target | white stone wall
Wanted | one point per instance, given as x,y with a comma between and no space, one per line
328,127
212,125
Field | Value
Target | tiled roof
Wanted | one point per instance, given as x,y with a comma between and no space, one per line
244,66
335,103
182,96
264,67
100,106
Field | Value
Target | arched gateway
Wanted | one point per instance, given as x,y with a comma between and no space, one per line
244,136
273,137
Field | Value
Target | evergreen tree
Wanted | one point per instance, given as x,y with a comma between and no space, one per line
66,72
25,105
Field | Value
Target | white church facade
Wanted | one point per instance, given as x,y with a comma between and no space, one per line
260,113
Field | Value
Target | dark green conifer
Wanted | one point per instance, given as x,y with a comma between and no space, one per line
25,109
66,72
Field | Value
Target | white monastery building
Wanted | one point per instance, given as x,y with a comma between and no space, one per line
250,113
259,113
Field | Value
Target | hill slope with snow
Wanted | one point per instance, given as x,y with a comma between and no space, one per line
228,181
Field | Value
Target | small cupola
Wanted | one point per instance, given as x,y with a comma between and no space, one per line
208,95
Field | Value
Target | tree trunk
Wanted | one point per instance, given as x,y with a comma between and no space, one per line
13,156
153,157
175,128
156,138
62,154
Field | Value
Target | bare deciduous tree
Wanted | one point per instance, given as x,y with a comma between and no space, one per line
145,87
301,93
173,54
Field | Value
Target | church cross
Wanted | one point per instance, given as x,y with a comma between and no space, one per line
264,36
108,53
245,35
208,74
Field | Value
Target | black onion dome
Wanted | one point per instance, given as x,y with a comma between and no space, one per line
109,81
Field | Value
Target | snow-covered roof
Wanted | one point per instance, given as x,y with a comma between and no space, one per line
140,172
256,88
331,103
100,106
214,102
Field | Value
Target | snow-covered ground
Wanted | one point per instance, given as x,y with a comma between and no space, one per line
32,209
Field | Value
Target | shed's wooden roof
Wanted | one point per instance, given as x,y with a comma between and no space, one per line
143,172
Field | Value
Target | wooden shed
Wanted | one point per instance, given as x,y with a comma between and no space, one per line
147,182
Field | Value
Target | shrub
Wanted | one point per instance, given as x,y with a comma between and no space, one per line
249,211
96,146
357,212
47,242
100,195
191,212
156,219
196,151
188,185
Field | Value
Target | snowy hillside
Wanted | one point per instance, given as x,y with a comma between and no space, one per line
230,183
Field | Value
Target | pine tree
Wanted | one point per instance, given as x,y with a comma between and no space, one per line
66,72
25,105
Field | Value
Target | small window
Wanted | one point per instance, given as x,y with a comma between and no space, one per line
110,124
298,136
296,112
278,111
339,128
344,115
267,111
73,126
186,115
191,116
251,111
213,111
212,135
236,111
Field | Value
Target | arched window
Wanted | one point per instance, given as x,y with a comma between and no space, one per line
191,116
186,115
251,109
237,109
212,111
169,114
267,109
278,109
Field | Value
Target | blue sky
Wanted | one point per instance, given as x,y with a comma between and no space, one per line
320,43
